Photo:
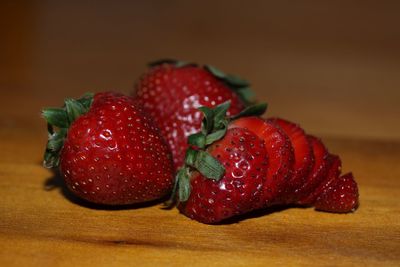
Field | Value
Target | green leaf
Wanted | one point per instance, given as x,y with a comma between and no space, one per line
190,156
215,136
255,110
180,64
208,166
51,160
216,72
62,119
220,115
221,109
86,101
56,140
246,95
176,63
56,116
197,139
171,201
208,120
74,109
162,61
183,185
236,81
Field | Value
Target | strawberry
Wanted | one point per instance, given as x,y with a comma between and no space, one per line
340,196
319,171
224,169
303,155
334,168
108,150
171,91
242,163
280,155
244,158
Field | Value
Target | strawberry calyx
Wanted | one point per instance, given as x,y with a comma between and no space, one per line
240,86
58,121
174,62
214,127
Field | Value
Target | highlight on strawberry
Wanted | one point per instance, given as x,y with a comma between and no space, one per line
236,164
108,150
171,92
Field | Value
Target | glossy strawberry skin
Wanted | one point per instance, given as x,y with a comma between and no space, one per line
171,95
245,160
315,173
115,155
319,171
280,156
334,170
303,157
340,196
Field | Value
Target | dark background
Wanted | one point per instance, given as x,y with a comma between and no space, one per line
332,66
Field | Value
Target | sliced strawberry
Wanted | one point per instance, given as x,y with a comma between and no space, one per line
340,196
303,154
334,170
319,171
280,155
244,158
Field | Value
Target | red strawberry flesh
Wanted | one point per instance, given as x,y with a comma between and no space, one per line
334,170
319,171
280,155
304,158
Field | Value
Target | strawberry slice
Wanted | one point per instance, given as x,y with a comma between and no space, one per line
334,170
319,171
280,155
303,155
340,196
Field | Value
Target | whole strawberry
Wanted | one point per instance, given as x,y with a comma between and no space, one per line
172,91
108,150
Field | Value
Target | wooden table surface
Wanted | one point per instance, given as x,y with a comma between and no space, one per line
42,225
333,69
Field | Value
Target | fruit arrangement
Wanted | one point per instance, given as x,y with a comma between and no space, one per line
200,125
172,91
255,164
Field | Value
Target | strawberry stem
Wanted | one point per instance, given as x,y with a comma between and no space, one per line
254,110
240,86
206,164
58,122
213,128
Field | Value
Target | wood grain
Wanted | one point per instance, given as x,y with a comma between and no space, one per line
49,227
330,66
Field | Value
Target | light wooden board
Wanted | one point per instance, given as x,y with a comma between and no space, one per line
331,67
42,227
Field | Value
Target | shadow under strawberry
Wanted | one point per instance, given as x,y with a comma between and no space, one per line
57,182
257,213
